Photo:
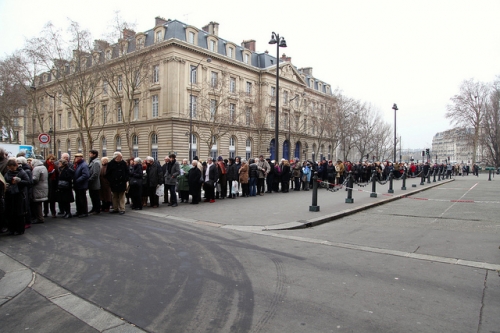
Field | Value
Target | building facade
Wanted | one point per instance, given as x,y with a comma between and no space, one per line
452,146
179,89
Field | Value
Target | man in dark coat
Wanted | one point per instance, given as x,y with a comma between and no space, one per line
94,181
117,173
81,184
194,181
154,172
210,176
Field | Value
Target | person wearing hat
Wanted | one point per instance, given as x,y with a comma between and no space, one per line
81,184
270,176
221,170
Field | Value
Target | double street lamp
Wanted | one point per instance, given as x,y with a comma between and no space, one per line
191,107
280,42
395,108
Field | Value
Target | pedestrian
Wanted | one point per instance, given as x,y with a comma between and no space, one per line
232,178
243,173
173,171
285,176
194,179
94,181
105,190
252,176
135,184
65,188
117,174
80,185
222,182
263,169
182,181
210,178
306,176
40,189
53,175
165,186
155,179
17,182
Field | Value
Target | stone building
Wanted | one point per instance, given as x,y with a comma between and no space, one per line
452,146
158,86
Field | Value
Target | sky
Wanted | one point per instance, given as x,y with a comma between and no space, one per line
412,53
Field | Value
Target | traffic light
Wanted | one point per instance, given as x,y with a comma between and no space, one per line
427,151
423,153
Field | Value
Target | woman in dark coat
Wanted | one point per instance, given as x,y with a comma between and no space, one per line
194,181
285,176
64,188
53,177
17,181
135,183
105,190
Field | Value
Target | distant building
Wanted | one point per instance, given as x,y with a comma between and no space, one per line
453,146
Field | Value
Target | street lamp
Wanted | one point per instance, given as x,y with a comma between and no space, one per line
280,42
193,68
395,108
290,119
53,121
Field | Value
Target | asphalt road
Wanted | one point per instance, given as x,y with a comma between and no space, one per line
406,266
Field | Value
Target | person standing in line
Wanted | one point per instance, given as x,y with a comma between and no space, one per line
252,175
182,181
232,176
210,176
263,169
64,188
81,184
117,174
194,181
135,184
17,182
53,172
222,182
296,168
94,181
243,175
40,189
237,163
105,190
285,176
165,186
155,179
173,171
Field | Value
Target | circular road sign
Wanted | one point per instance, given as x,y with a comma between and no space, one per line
44,138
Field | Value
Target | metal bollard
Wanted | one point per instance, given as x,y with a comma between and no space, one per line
349,198
314,207
390,183
429,177
422,179
374,180
434,173
404,180
490,176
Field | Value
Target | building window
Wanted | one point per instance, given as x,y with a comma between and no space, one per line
285,97
248,116
120,83
154,110
232,113
108,55
158,36
212,45
156,73
104,114
271,119
232,85
105,87
104,144
249,88
248,149
214,79
135,145
154,146
59,99
213,109
136,109
118,144
305,125
232,147
285,121
246,58
79,144
273,91
194,75
194,147
59,121
119,114
191,37
230,52
193,106
69,119
68,147
213,150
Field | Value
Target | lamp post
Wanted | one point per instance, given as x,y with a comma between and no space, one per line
193,68
395,108
53,121
280,42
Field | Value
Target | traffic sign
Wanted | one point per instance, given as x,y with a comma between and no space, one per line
44,138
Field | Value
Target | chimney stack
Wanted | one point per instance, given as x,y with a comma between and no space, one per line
128,33
249,44
285,58
212,28
160,21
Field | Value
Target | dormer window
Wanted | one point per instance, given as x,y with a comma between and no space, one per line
108,54
230,52
159,36
212,45
191,37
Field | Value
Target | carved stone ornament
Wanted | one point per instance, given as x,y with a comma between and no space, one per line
175,58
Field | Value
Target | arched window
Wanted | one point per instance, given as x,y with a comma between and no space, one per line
214,151
118,144
104,144
79,144
248,149
297,149
286,150
232,147
135,145
68,147
194,147
154,146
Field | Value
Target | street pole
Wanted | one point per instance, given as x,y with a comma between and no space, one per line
54,122
280,42
395,108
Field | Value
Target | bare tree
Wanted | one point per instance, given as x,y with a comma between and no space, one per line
74,73
468,110
490,138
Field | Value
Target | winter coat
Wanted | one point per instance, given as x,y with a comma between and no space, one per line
155,174
65,194
82,175
244,173
117,174
263,168
296,170
232,173
175,171
183,179
105,190
193,180
15,197
94,171
40,181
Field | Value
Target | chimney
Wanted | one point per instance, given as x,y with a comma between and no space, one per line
212,28
249,44
160,21
285,58
307,71
100,45
128,33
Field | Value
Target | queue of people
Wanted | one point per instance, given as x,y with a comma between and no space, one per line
33,189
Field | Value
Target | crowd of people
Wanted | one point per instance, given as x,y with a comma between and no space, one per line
32,189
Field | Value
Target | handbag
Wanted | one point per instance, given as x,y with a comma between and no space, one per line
63,184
